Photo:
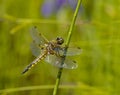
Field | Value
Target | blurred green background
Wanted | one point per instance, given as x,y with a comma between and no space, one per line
96,32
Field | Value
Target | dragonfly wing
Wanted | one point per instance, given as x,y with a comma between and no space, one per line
71,51
37,36
56,61
36,51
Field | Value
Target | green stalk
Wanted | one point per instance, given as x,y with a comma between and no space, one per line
67,44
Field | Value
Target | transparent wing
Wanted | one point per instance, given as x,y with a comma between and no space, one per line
37,36
71,51
56,61
36,49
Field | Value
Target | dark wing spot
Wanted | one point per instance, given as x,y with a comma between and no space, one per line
42,48
35,26
74,61
78,47
39,34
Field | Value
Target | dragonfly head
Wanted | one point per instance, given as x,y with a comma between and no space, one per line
60,40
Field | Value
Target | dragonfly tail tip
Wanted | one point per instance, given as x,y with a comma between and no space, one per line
24,71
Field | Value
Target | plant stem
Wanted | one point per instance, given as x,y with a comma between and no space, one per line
67,44
73,23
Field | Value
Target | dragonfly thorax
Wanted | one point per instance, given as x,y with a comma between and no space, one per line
53,46
50,47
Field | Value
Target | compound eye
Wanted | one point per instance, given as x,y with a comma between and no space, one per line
59,40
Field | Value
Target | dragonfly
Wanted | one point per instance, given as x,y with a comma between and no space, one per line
51,51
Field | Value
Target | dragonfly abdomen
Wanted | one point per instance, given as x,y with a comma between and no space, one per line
38,59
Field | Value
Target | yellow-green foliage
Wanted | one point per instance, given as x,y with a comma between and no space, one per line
96,32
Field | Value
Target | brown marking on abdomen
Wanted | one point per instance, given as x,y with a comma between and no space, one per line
38,59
